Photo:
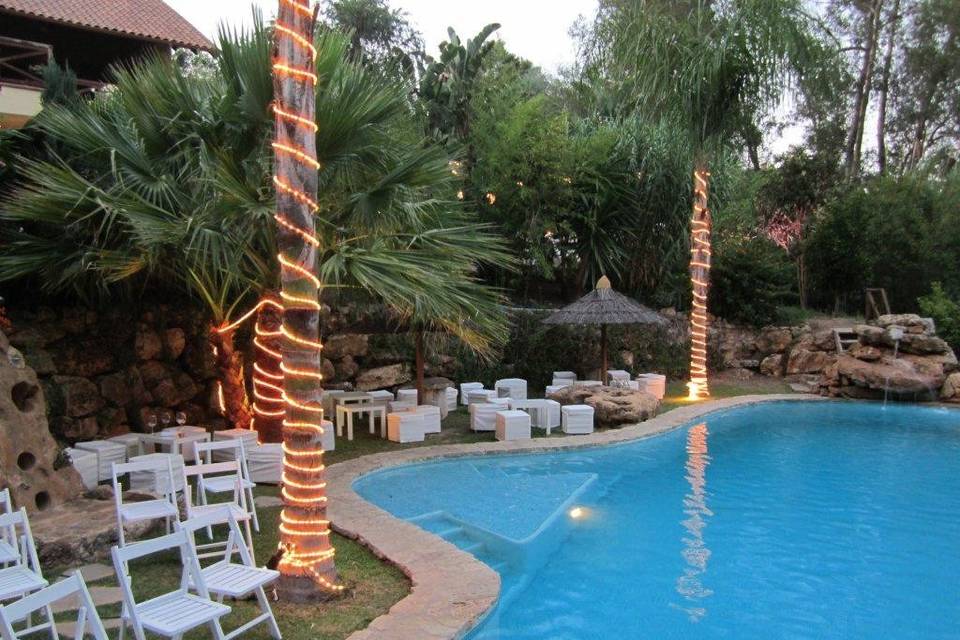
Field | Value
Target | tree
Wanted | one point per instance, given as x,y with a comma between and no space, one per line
703,67
163,183
378,34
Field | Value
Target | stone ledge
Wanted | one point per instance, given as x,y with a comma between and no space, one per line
452,590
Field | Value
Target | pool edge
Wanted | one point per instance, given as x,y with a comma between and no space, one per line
452,590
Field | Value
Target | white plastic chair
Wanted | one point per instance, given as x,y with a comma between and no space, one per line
8,536
164,508
72,587
203,453
219,512
174,613
24,576
229,579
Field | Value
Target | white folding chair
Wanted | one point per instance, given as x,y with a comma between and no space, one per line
8,536
174,613
24,576
229,579
220,512
164,508
225,484
73,587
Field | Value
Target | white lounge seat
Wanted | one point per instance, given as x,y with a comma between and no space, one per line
225,578
513,388
576,419
84,463
72,588
481,395
164,508
108,453
452,396
466,388
483,415
513,425
407,395
205,452
23,576
221,512
170,614
431,417
405,426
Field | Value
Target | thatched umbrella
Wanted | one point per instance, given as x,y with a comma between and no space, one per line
605,306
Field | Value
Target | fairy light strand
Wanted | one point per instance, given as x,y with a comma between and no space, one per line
700,258
304,528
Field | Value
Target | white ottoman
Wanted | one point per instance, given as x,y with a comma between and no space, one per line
85,462
397,405
452,396
483,415
513,425
407,395
576,419
479,396
553,388
381,397
265,461
431,417
653,383
618,375
588,383
466,388
405,426
570,376
553,414
131,441
107,453
513,388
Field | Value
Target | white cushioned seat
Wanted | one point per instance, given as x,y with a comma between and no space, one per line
405,426
513,425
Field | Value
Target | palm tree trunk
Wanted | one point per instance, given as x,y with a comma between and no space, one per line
232,393
420,365
603,354
700,258
268,403
307,570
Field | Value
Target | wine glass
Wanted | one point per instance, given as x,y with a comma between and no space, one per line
181,418
165,419
152,422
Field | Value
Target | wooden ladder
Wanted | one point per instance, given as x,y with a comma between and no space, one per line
877,303
844,337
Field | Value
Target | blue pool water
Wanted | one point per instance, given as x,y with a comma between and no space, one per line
781,520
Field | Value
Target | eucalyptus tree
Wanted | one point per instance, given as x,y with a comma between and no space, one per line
164,182
705,67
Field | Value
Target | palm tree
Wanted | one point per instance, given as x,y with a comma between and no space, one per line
706,67
164,181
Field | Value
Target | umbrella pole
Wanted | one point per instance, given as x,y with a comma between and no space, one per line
603,351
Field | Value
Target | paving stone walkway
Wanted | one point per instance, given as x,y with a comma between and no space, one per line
102,596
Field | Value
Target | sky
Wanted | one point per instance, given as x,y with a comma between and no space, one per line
537,30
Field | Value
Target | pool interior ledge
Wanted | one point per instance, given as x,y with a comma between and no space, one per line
452,590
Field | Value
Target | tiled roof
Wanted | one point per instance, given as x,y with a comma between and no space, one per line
147,19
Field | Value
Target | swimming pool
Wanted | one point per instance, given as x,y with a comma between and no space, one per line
777,520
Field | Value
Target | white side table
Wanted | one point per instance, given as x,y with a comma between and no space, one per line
345,413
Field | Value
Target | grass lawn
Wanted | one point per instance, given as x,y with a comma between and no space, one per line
375,586
723,386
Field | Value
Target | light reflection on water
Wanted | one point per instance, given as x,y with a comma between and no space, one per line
695,552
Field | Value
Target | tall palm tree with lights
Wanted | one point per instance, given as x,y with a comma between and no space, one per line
705,67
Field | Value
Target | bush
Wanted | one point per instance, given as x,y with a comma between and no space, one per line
945,313
752,279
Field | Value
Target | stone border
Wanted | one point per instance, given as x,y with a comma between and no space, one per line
452,589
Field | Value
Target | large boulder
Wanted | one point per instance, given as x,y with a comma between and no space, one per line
345,344
910,322
772,365
805,361
383,377
950,391
613,407
28,453
900,377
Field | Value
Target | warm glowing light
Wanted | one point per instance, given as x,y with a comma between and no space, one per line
460,195
577,512
700,258
220,399
491,198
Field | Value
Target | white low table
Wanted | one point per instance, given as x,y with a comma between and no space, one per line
513,425
537,408
345,413
176,440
